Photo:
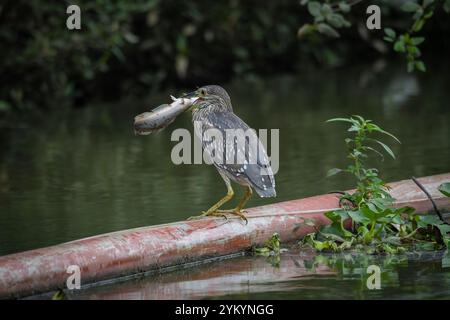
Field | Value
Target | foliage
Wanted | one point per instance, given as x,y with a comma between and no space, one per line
327,17
129,48
354,262
271,250
444,188
330,16
406,43
271,246
46,64
59,295
409,46
377,225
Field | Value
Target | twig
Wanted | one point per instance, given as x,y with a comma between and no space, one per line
429,197
336,191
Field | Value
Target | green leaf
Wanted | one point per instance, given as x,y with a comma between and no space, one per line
372,207
334,228
337,215
378,129
319,245
405,210
420,66
376,151
413,51
314,8
326,10
399,46
411,7
446,6
59,295
385,147
361,119
417,40
372,215
344,7
410,66
131,38
305,30
444,188
333,237
117,52
327,30
333,171
381,203
359,217
418,25
443,228
336,20
262,250
181,43
340,119
390,32
429,219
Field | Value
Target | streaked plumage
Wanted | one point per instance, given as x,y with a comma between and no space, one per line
255,171
213,110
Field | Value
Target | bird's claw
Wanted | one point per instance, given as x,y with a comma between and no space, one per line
222,213
206,214
239,213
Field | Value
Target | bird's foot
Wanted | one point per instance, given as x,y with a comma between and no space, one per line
207,214
235,211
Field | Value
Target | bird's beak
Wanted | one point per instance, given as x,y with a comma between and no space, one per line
192,94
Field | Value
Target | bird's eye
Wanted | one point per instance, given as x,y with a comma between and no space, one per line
202,92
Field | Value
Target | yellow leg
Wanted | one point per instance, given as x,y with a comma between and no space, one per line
238,210
213,211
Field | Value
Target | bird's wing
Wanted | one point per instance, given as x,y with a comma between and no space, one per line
255,165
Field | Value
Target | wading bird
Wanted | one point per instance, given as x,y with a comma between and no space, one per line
212,110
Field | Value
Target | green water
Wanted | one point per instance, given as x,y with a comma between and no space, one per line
82,172
296,275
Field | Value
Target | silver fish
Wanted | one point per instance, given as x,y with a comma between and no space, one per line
160,117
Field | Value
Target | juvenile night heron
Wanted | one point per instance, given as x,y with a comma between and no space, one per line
233,147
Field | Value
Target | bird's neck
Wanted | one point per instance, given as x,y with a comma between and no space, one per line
205,108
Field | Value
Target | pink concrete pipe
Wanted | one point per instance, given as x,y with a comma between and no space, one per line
127,252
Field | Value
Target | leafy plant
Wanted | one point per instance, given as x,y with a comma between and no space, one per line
330,16
408,44
375,224
327,18
369,185
271,246
271,250
47,66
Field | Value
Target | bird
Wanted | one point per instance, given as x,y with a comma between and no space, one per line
214,121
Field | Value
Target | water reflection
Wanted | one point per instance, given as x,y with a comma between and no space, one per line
300,275
78,173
